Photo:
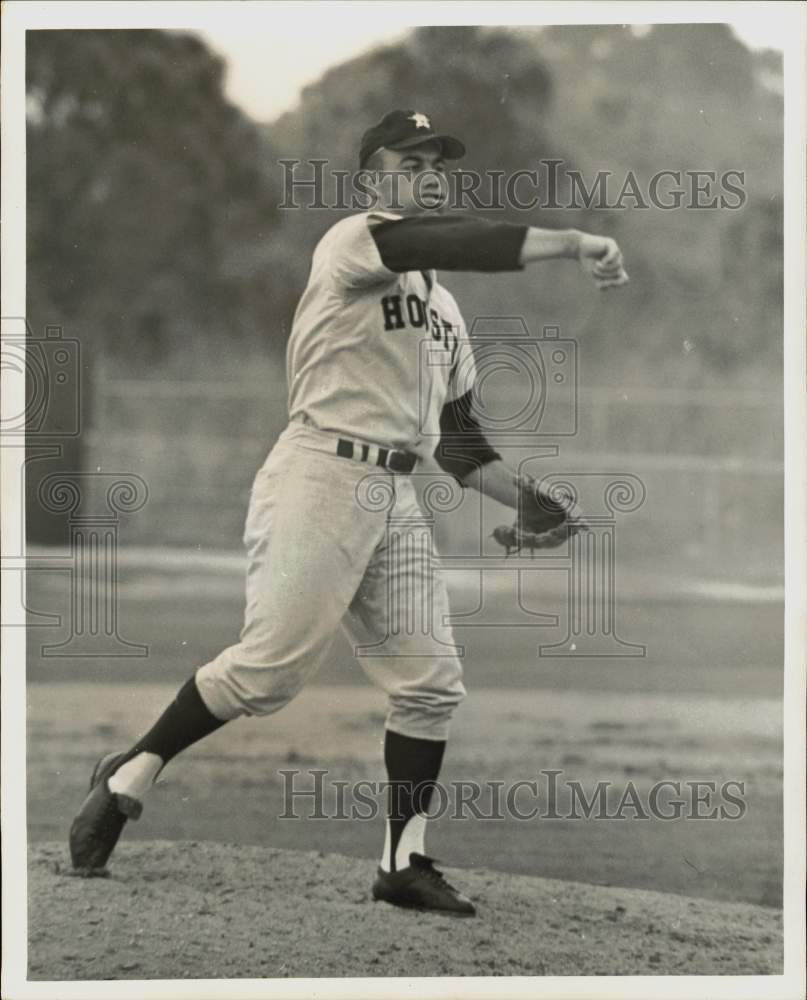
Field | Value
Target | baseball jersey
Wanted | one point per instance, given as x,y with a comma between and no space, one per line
377,349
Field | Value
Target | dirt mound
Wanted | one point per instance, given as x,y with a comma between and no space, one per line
209,910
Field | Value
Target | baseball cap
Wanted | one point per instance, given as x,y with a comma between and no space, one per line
402,129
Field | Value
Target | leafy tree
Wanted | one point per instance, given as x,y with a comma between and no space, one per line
141,176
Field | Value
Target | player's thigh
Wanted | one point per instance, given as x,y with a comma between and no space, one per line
397,623
307,546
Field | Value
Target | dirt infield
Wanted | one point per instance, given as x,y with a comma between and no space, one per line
206,910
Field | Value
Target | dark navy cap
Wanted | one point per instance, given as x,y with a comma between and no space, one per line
402,129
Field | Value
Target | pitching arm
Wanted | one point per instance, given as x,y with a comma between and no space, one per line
448,243
462,243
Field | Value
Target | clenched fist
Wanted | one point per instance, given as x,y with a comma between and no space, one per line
601,258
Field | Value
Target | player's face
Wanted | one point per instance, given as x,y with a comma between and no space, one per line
416,179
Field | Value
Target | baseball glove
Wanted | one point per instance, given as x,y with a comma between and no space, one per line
542,521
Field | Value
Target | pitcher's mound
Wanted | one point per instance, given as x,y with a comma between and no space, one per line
174,910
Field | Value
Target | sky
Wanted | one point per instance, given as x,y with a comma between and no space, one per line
267,69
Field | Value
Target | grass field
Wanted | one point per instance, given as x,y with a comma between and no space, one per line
709,637
705,704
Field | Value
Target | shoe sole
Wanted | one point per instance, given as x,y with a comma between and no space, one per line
420,908
417,908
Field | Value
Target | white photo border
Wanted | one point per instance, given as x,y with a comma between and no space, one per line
19,16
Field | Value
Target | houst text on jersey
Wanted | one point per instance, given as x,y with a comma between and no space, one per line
401,311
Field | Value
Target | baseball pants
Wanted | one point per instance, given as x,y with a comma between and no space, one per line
337,542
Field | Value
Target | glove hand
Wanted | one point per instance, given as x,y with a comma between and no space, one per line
542,522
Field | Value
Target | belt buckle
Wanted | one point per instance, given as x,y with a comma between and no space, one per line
400,461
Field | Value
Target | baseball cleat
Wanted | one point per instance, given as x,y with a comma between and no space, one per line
103,814
421,886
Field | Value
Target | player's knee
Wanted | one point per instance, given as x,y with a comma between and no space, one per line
252,684
425,714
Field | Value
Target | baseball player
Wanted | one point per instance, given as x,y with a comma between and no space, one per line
364,401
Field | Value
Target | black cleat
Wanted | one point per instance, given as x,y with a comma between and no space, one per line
103,814
421,886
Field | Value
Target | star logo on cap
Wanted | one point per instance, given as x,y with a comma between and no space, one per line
421,121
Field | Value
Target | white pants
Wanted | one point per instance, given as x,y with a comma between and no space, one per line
334,541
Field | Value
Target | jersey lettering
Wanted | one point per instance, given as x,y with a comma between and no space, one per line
416,310
393,317
338,334
417,313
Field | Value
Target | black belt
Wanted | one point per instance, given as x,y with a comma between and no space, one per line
388,458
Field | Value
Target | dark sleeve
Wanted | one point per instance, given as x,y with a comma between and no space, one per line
449,244
463,447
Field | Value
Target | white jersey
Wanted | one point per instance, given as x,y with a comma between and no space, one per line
374,354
